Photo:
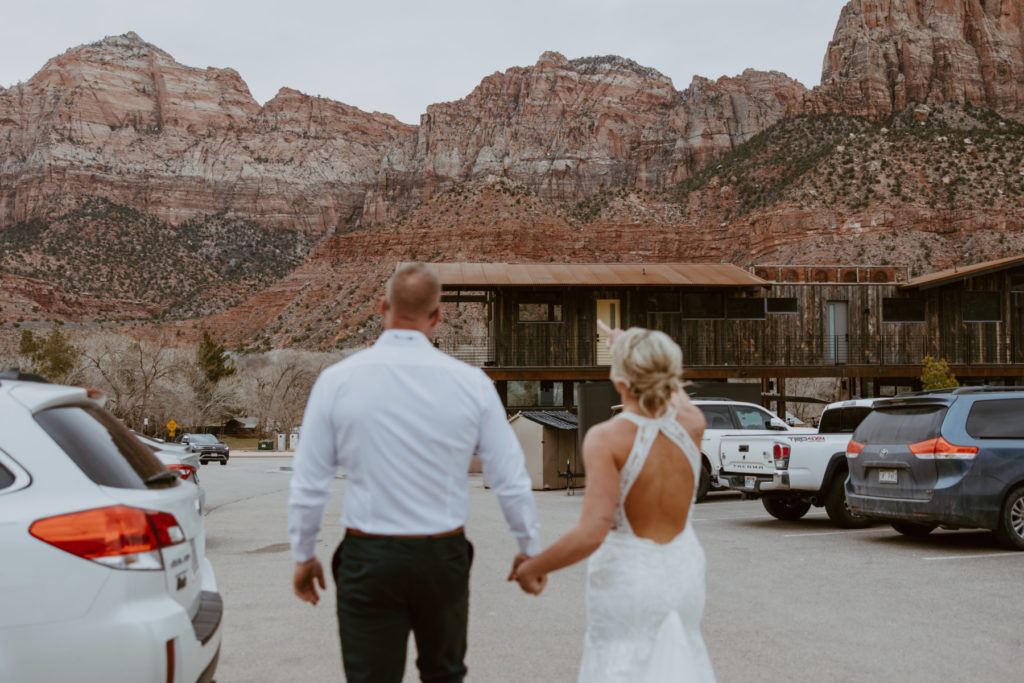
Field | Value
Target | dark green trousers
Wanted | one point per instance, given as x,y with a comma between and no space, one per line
388,587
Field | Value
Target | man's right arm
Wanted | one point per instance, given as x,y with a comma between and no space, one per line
505,469
315,465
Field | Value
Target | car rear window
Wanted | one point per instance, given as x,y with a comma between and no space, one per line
904,424
842,420
102,447
6,477
997,419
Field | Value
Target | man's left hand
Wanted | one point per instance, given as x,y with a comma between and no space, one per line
307,575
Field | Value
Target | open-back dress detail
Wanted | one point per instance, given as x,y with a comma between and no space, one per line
645,599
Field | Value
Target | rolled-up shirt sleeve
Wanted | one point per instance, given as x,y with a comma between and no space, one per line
314,466
505,469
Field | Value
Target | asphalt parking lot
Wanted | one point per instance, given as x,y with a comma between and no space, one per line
786,601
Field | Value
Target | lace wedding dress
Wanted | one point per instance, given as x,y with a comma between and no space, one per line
645,599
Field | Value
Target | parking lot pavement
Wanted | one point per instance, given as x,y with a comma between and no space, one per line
786,601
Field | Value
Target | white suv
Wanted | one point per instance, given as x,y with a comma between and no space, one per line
725,416
103,549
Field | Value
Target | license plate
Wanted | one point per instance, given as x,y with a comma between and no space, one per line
750,482
888,476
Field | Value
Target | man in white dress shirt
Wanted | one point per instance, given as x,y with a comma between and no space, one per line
403,420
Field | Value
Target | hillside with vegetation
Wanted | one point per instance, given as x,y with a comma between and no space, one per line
189,270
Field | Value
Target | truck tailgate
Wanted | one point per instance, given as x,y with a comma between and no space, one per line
748,454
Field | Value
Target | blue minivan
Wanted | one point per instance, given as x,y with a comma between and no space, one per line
952,458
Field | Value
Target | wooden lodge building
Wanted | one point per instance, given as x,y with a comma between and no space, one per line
869,325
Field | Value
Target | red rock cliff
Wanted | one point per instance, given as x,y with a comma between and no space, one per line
569,129
887,54
121,119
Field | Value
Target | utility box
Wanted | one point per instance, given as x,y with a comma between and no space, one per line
293,440
548,440
265,445
282,442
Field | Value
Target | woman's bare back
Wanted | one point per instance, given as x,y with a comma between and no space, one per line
658,503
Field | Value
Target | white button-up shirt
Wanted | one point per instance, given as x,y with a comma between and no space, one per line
403,420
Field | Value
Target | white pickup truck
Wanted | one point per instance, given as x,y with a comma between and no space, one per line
792,472
725,416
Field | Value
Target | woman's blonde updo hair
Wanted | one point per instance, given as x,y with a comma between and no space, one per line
650,364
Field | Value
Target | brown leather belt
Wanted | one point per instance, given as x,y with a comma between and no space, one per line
356,532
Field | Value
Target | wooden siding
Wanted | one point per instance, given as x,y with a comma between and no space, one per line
781,340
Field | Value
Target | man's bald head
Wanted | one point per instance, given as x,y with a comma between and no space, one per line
413,294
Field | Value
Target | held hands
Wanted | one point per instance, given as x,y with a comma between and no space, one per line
307,575
523,571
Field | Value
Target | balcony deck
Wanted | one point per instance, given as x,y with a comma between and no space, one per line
563,356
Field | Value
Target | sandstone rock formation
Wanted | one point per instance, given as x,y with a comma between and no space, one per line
571,156
121,119
571,128
887,54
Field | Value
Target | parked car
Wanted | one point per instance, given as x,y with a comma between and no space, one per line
174,456
724,416
177,459
951,458
104,550
792,472
208,446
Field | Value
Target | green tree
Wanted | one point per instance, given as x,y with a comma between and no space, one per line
53,356
935,374
214,361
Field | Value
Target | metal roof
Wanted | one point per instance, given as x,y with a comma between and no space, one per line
490,275
559,419
943,277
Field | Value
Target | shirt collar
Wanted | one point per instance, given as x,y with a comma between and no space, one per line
396,337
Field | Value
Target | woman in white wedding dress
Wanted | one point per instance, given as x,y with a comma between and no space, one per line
645,579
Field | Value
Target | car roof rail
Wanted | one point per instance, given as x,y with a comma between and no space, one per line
18,375
714,398
985,389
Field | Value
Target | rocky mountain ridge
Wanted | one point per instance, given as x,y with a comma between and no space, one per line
610,159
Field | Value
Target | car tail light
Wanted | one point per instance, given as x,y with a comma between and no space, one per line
853,449
184,471
118,536
940,449
780,454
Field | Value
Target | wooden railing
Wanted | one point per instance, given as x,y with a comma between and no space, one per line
557,349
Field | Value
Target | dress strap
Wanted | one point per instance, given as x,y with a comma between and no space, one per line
647,430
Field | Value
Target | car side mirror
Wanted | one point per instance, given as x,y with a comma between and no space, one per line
776,424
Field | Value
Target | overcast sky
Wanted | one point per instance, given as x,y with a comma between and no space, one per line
399,56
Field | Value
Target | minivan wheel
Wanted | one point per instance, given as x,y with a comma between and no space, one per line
786,508
1010,532
913,529
837,508
224,461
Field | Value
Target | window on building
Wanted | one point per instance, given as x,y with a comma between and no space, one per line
1017,283
539,313
663,302
748,308
981,307
908,310
781,304
534,393
700,306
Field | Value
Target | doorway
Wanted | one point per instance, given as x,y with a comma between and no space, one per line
838,341
609,311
